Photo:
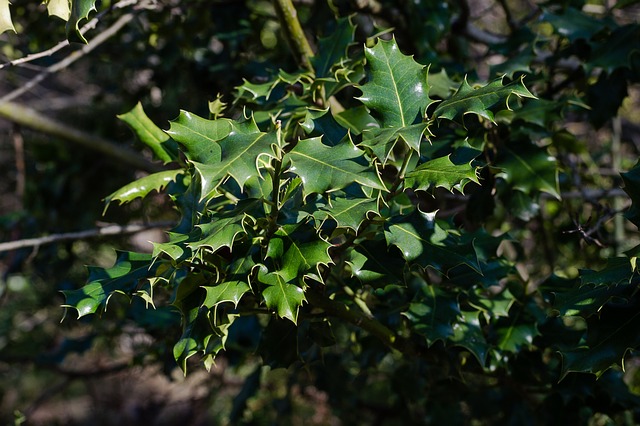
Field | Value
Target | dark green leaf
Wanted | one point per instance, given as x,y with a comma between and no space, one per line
432,313
468,100
333,49
281,296
151,135
350,212
324,169
442,172
129,270
200,136
397,89
530,169
80,10
468,334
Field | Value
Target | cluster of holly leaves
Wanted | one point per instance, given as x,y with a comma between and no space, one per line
312,211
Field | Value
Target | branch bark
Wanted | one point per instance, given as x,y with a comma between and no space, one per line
293,30
81,235
34,120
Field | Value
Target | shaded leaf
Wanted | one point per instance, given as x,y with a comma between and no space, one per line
468,334
530,169
422,241
397,89
333,48
235,285
432,313
322,123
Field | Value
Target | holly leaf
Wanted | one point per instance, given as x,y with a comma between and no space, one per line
382,141
129,270
151,135
468,334
281,296
397,89
224,226
468,100
442,172
80,10
143,186
617,271
530,169
324,169
59,8
298,252
333,49
200,136
351,212
432,314
610,336
6,23
322,123
240,151
235,285
512,335
421,240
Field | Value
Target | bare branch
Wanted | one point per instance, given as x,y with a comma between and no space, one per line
82,235
74,56
32,119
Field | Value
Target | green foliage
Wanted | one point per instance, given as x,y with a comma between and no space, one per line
421,240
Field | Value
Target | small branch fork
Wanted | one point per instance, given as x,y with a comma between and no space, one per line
104,231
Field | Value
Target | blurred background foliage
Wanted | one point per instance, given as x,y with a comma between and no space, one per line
580,56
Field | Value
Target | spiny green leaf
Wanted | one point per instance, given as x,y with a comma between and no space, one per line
235,285
373,265
124,277
298,251
585,300
80,10
382,141
468,100
351,212
5,17
143,186
224,227
240,151
324,169
281,296
151,135
200,136
397,89
333,49
530,169
422,241
442,172
432,314
617,271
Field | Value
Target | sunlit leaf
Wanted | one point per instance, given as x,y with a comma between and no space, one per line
151,135
442,172
143,186
397,89
6,23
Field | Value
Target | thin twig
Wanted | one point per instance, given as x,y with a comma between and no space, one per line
82,235
71,58
61,45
